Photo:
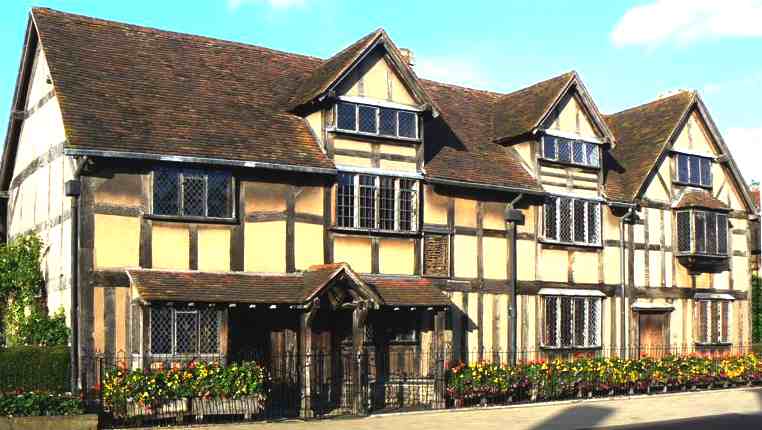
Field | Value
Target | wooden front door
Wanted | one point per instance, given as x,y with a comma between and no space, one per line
652,329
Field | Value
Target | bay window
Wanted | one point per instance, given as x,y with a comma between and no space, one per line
376,120
714,321
572,220
702,232
570,151
374,202
694,170
571,321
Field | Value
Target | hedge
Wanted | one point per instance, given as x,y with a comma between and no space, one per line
22,404
30,368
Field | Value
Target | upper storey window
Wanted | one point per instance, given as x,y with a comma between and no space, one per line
571,151
375,120
192,193
694,170
572,221
372,202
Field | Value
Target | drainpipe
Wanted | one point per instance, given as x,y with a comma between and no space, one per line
72,188
513,217
622,277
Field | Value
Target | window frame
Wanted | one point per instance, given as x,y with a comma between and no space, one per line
572,142
205,173
557,240
692,239
378,211
688,182
558,345
378,132
173,336
725,319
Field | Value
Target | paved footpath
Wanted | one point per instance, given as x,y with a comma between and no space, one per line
735,404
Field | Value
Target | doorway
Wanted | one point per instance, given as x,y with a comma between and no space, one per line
653,333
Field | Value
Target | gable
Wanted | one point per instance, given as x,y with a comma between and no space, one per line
694,137
569,116
376,78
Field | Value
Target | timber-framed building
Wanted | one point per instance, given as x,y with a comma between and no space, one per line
200,197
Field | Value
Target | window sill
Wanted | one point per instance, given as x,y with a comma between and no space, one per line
570,164
714,344
375,232
574,246
191,219
712,256
688,184
373,135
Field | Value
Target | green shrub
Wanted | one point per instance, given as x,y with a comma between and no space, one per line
34,368
22,404
40,329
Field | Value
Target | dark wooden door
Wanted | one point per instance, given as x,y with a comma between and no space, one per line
652,328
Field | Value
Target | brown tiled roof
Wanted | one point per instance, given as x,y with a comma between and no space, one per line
460,143
517,113
755,196
642,133
128,88
700,199
252,288
331,69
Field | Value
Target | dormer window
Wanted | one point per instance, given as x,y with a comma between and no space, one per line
694,170
571,151
702,232
376,120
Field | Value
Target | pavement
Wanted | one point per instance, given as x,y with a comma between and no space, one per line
735,408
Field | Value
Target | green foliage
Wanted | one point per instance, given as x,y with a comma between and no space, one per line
21,404
34,368
197,380
25,321
756,309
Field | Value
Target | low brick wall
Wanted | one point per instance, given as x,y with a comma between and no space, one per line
74,422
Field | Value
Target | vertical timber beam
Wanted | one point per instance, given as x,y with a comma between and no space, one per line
305,354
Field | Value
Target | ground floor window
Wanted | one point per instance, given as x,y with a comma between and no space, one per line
184,331
714,321
572,322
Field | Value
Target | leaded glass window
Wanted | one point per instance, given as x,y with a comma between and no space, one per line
570,151
375,202
702,232
368,119
694,170
714,321
572,322
184,331
572,220
192,193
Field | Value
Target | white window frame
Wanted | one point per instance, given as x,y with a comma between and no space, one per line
589,300
688,182
706,337
557,206
378,133
173,341
377,203
585,163
693,238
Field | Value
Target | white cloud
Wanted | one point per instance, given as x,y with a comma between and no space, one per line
276,4
685,21
746,145
453,70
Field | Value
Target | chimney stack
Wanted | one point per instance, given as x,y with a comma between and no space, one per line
407,56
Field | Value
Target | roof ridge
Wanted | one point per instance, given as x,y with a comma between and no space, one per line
648,103
149,29
460,87
571,73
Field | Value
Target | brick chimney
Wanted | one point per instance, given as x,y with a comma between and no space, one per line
407,56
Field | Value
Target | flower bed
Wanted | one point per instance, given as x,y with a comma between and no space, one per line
485,383
197,389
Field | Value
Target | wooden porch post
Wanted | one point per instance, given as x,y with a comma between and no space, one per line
305,357
359,320
439,359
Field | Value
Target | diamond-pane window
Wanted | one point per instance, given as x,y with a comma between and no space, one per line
694,170
186,332
592,155
218,195
565,220
592,321
684,231
579,220
722,234
376,202
367,119
367,201
194,194
407,198
579,152
345,201
387,122
161,330
209,331
572,322
387,200
407,124
549,147
682,168
695,167
593,226
566,321
551,321
551,230
346,116
580,319
572,220
714,321
699,223
166,191
711,233
564,150
706,171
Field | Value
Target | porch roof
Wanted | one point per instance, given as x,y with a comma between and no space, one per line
289,289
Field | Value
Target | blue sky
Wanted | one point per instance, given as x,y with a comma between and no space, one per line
627,53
